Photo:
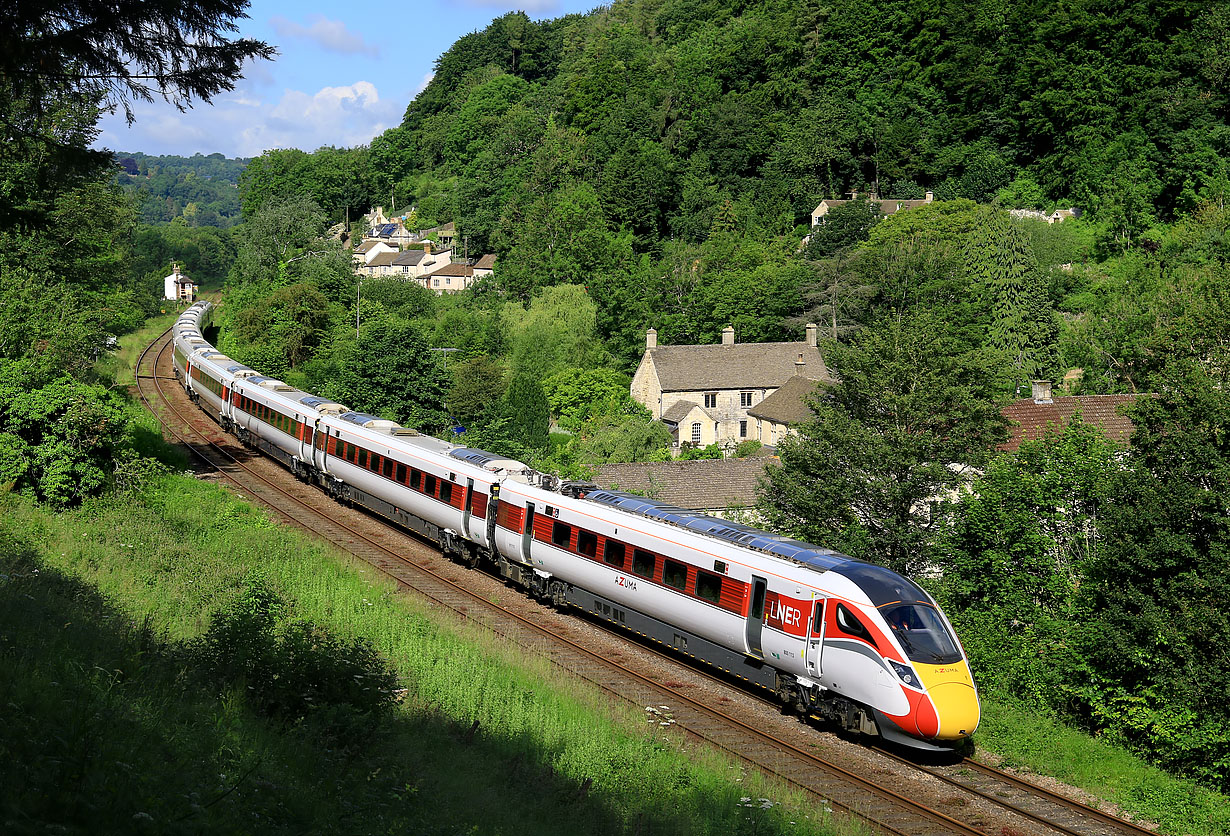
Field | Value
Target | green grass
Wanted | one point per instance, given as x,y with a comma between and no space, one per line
1025,738
105,729
119,365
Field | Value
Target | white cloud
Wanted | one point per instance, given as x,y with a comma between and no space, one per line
423,84
241,125
332,35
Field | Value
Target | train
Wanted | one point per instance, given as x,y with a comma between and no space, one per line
838,640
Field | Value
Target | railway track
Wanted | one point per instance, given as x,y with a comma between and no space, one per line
442,583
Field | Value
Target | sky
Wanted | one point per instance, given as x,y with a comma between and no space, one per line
342,77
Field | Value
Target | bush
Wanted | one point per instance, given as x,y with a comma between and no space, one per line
291,670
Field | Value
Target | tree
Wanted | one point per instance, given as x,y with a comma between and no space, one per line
59,435
125,51
911,411
1149,660
577,395
478,386
525,407
1023,324
392,373
843,227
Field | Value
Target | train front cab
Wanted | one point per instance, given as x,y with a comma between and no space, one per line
943,700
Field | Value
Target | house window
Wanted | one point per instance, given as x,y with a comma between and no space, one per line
745,399
435,282
696,433
711,400
743,429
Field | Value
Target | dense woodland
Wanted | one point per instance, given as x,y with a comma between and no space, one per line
203,190
653,164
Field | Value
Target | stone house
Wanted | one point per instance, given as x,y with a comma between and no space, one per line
887,206
776,416
450,278
366,250
417,263
703,392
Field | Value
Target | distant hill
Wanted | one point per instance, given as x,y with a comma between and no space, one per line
203,190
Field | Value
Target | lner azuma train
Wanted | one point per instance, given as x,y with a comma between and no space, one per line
835,638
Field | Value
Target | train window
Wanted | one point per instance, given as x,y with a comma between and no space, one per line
416,478
429,485
850,625
613,553
341,449
708,586
561,534
642,563
817,621
446,491
362,457
388,468
922,634
587,543
401,473
674,573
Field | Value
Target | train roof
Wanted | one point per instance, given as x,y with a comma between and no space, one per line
814,557
883,586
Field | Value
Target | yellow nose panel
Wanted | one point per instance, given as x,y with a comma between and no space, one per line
957,706
951,689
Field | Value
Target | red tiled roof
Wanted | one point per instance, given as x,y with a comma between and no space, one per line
1031,420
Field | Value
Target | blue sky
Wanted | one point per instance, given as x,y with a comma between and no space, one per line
343,76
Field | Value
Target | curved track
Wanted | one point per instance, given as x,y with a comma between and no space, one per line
422,569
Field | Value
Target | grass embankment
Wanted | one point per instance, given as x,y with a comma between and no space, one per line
108,727
1022,737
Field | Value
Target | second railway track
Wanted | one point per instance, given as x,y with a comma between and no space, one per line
424,570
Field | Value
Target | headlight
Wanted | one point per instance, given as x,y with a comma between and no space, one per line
906,673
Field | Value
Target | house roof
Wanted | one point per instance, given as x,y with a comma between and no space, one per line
410,258
1032,420
691,368
382,260
367,244
704,484
678,411
459,269
787,404
888,205
487,262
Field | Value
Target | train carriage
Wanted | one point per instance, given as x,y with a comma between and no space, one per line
833,637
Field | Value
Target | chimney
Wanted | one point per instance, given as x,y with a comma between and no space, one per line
651,338
427,247
811,335
1042,391
799,364
930,196
728,335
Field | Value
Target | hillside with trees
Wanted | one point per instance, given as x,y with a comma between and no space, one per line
654,163
203,190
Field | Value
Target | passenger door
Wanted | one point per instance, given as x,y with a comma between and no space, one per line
815,639
755,617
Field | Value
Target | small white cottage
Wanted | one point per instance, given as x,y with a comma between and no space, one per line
178,287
